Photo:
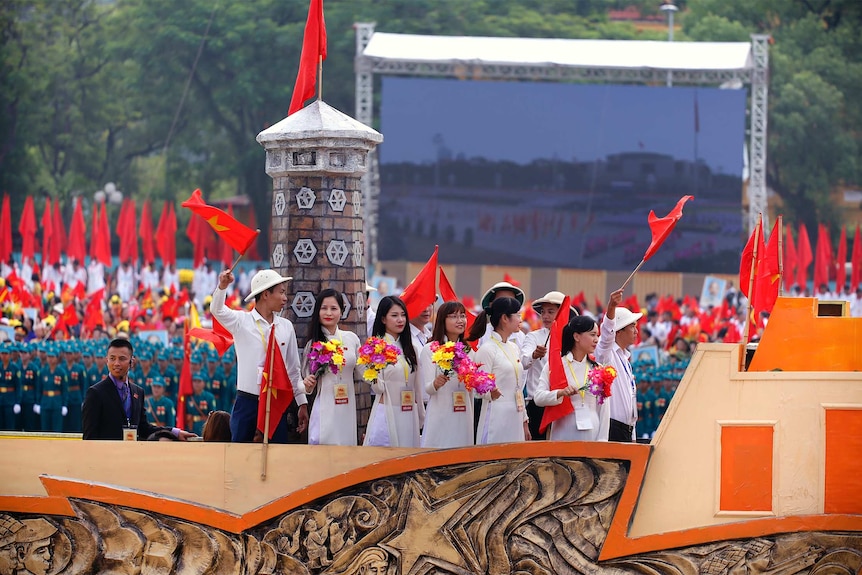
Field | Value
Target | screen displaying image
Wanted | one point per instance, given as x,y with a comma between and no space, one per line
559,175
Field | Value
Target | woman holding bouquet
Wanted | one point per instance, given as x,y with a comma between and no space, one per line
504,417
449,414
329,365
398,412
590,419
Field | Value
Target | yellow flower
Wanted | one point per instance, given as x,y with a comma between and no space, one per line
337,359
369,374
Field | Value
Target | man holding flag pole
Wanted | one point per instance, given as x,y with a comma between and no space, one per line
251,331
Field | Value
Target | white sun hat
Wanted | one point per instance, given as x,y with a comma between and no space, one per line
624,318
263,280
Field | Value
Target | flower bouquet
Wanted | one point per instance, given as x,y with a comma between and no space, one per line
600,379
448,356
375,354
473,378
325,355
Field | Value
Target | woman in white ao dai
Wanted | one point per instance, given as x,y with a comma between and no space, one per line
333,414
590,421
449,414
397,414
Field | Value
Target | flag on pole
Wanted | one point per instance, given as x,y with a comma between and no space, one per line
27,229
789,260
234,233
768,274
313,52
5,230
58,234
841,262
275,382
856,261
448,294
753,249
104,245
556,371
804,257
219,336
662,227
148,243
422,291
822,257
47,232
76,248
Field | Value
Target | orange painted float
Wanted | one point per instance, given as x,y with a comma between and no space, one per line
756,471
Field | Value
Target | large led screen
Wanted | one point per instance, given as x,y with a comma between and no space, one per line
559,175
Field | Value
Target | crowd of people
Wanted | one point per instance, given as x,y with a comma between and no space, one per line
60,322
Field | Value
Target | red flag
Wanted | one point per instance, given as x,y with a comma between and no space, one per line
121,226
789,263
47,233
27,229
275,382
768,276
448,294
822,257
226,251
185,386
5,230
104,244
313,52
252,253
170,235
234,233
194,237
94,234
511,280
856,260
76,248
804,257
148,244
93,312
750,253
220,337
556,371
662,227
130,232
841,261
58,236
422,291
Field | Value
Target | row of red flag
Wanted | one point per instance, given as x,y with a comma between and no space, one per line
158,241
828,264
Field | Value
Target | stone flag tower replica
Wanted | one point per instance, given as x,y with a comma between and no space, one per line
316,158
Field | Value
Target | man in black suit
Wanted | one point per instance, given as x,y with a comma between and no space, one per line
115,405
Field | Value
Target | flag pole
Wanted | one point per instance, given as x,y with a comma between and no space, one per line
320,77
239,257
751,284
264,449
625,283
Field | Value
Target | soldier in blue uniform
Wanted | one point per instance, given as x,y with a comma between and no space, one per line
74,395
215,382
167,371
30,368
199,405
160,409
50,392
10,388
229,391
145,372
93,374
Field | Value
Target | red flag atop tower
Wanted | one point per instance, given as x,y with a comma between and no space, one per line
313,52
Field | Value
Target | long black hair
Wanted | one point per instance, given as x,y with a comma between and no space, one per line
315,329
379,330
578,324
448,308
499,307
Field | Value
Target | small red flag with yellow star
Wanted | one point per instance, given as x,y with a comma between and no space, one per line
240,237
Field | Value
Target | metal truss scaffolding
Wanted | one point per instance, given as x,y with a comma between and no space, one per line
597,61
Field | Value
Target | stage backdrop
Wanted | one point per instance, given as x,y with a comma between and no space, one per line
559,175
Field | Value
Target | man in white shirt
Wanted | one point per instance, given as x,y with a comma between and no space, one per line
95,276
150,277
74,274
171,278
126,281
251,331
619,331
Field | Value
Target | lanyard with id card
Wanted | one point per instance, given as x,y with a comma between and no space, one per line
130,432
583,417
459,401
340,392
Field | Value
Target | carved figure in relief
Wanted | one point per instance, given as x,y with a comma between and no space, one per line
337,539
34,547
372,561
9,526
315,543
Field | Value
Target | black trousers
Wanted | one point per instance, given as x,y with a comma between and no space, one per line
534,414
620,432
